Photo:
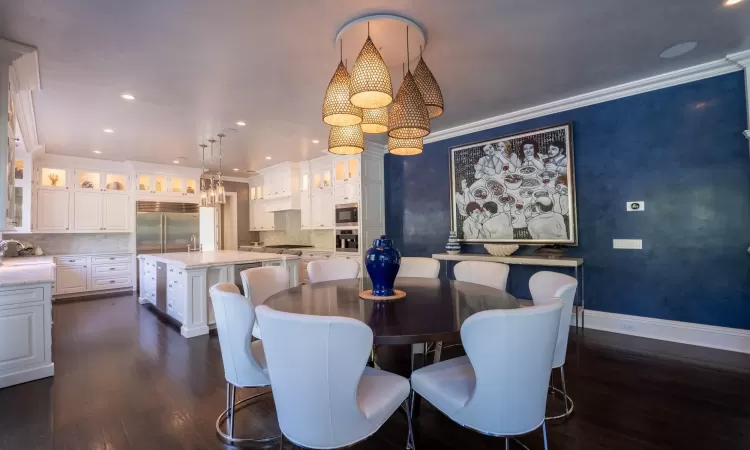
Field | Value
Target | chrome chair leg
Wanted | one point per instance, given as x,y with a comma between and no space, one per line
568,402
228,416
544,434
507,444
409,415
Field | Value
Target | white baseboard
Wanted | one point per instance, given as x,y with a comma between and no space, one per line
194,331
26,375
732,339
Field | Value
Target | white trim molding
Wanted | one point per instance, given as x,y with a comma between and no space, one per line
732,63
722,338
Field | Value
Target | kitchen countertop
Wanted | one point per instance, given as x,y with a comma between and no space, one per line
193,260
24,274
27,260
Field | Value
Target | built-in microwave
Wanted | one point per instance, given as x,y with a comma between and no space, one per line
347,215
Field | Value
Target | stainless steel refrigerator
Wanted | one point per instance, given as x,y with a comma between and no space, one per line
162,227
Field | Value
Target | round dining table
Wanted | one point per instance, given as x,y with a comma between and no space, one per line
432,311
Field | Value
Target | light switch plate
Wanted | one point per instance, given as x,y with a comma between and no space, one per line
635,206
627,244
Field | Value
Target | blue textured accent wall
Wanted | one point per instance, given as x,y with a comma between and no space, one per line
679,149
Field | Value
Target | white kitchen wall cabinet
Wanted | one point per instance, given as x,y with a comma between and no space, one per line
263,220
87,211
346,193
116,212
52,210
322,206
101,211
346,169
304,196
281,187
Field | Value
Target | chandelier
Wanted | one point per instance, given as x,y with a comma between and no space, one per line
212,186
371,107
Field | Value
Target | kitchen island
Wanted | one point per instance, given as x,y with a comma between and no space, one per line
26,319
177,284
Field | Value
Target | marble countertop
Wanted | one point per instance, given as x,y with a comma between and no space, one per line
192,260
27,260
23,274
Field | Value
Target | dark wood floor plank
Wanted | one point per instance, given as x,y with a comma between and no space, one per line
126,380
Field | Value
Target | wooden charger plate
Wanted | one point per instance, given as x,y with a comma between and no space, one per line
367,295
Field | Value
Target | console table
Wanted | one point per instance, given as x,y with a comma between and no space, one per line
575,263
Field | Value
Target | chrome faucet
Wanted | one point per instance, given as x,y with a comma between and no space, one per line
193,246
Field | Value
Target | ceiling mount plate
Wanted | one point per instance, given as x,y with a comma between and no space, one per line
388,32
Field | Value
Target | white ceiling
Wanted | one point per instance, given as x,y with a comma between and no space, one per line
198,66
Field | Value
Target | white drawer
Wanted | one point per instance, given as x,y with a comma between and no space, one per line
70,260
108,270
110,259
316,255
21,296
111,282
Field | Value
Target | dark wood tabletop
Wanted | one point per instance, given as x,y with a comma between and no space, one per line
433,309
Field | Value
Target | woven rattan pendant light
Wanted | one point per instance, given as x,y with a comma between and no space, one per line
408,117
405,147
337,110
429,88
375,120
347,140
370,81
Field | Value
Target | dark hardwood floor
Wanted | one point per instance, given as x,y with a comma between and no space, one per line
125,380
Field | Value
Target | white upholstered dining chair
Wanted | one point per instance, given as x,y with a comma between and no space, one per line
244,362
546,287
494,275
419,267
500,387
332,269
262,282
325,396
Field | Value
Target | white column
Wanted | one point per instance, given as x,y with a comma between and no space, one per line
742,59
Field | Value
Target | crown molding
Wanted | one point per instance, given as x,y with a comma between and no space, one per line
235,179
376,148
677,77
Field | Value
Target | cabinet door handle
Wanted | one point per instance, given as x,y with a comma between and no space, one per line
170,285
112,268
112,281
71,260
112,259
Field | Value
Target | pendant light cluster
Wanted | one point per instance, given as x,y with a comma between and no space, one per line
212,187
358,103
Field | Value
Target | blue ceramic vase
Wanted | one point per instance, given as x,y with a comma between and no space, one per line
382,261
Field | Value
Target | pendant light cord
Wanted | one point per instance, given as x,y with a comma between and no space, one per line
408,58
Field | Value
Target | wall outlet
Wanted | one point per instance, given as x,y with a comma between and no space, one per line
635,206
627,244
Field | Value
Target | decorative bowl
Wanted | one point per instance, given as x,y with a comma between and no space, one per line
501,249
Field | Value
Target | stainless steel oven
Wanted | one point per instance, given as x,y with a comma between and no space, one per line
347,215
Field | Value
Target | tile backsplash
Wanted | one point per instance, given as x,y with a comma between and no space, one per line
73,243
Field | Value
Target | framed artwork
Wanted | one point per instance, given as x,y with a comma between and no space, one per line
517,189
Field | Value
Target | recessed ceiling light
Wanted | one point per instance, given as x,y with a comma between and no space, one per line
241,123
98,152
315,141
236,169
109,130
732,2
678,50
128,96
176,161
268,157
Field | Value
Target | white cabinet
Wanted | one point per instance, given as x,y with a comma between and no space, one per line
346,169
305,211
277,182
75,274
116,214
148,183
322,206
346,193
52,210
23,327
70,279
100,211
263,220
87,211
